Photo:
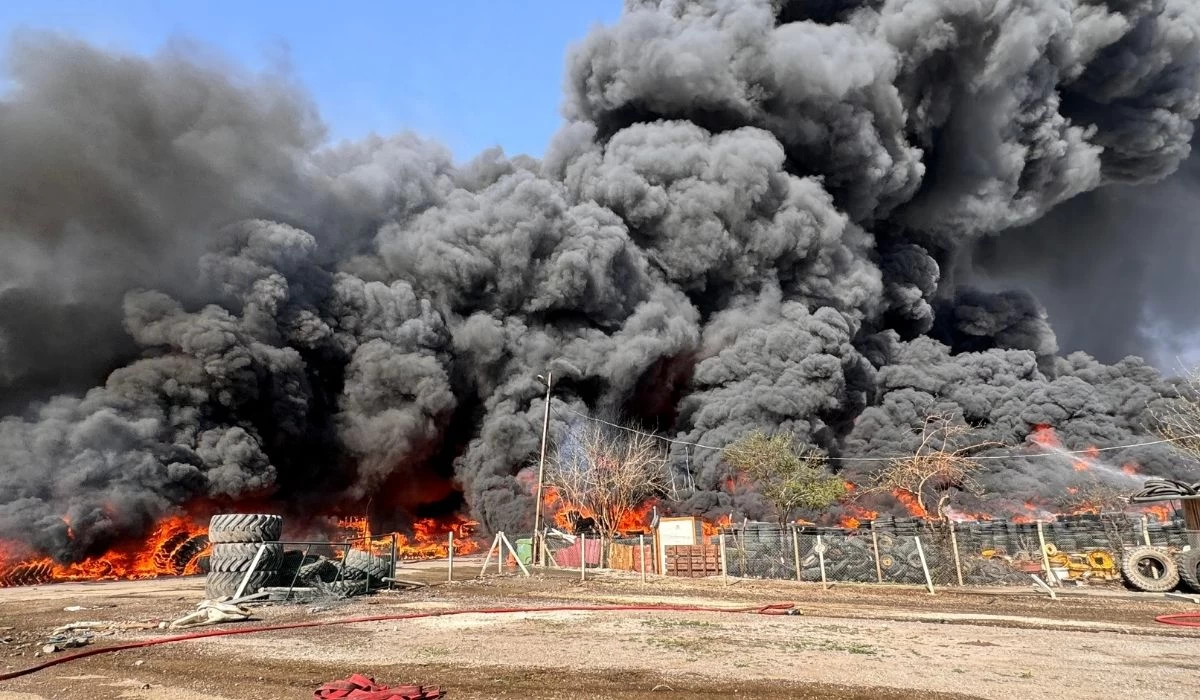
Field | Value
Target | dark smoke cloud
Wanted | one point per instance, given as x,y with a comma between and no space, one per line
1098,265
759,215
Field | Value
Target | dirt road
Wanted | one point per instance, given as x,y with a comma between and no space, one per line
862,642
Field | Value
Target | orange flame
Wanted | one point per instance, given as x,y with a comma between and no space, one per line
171,550
1130,469
1045,436
1161,511
909,501
714,528
430,538
854,516
634,521
966,516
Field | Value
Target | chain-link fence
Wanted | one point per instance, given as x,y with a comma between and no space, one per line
1081,550
1077,550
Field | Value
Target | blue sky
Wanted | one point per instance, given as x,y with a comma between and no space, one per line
470,73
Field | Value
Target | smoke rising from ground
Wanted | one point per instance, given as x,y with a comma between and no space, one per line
764,214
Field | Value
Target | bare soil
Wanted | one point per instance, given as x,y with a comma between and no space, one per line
849,642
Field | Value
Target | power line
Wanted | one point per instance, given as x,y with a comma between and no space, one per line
1056,453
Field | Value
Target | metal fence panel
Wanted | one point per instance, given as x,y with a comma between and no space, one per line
761,552
989,553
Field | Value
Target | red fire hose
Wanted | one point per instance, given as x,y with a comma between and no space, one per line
772,609
1191,619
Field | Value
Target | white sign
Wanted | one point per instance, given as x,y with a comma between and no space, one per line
677,532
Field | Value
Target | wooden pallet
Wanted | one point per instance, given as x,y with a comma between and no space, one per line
693,561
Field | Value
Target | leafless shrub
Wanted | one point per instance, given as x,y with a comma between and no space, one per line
607,473
941,464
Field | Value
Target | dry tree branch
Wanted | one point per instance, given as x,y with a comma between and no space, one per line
942,463
1097,498
1178,419
607,472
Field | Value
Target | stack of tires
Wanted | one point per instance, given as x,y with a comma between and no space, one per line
236,539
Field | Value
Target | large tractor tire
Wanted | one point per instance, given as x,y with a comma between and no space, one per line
1149,569
239,527
1189,568
359,564
238,556
320,570
294,560
223,584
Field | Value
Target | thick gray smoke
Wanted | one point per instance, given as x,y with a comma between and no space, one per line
759,215
1100,264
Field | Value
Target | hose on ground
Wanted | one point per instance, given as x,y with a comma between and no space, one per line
1191,619
771,609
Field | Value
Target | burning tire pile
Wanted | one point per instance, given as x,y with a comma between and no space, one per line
175,548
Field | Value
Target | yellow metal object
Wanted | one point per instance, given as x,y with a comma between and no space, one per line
1100,559
1096,564
1051,550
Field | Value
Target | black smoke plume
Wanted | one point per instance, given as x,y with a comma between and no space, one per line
765,214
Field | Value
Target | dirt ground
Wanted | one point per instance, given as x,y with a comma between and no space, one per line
847,642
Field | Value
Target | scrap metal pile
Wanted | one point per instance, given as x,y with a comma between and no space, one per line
248,562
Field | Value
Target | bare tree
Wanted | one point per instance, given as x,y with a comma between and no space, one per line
941,464
1178,419
607,473
1096,498
787,478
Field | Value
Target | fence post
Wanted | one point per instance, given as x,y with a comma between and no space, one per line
1146,531
724,562
875,549
500,552
1051,579
450,558
516,557
821,559
395,560
957,560
796,551
642,556
488,559
583,557
924,565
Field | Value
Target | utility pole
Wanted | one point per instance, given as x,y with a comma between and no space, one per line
538,542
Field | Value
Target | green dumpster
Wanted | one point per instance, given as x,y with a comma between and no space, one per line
525,550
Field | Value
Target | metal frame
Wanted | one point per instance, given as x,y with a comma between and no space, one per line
345,546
